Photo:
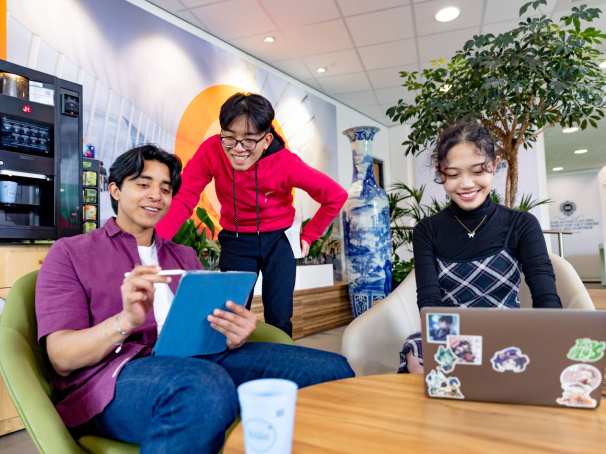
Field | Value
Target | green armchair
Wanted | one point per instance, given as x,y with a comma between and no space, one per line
24,368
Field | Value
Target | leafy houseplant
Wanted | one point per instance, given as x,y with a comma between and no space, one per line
200,238
541,73
407,209
322,251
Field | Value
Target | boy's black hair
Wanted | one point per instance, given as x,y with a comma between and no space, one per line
257,109
466,131
446,319
130,165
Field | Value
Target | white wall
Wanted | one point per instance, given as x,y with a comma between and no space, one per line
602,194
582,191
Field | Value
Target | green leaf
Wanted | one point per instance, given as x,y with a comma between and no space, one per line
202,214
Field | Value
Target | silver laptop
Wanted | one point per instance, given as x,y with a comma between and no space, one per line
526,356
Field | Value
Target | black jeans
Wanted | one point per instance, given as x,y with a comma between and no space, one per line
270,253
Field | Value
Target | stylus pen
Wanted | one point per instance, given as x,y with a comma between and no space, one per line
174,272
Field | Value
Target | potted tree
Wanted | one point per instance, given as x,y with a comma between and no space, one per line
541,73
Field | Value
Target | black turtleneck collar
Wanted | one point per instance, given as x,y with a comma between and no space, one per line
486,209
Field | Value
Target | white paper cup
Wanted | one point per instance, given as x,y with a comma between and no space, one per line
268,415
8,191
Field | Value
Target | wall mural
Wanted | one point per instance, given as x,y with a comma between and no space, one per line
147,80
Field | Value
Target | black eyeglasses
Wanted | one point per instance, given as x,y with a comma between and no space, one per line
247,144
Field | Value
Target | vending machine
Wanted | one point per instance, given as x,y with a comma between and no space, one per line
40,155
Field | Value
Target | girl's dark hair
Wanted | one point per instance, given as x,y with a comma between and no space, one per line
257,109
130,165
468,131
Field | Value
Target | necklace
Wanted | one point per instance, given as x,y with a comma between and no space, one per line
471,233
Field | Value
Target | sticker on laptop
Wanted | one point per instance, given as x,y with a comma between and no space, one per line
440,326
467,349
445,358
578,381
440,385
587,350
510,359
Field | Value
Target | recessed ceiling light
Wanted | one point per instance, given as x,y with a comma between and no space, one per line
447,14
570,130
581,151
321,70
557,169
603,64
269,39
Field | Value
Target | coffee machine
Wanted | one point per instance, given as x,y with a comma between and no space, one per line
40,155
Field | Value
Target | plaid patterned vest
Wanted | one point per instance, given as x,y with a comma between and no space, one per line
492,281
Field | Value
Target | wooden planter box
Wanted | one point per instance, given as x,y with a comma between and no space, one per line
316,310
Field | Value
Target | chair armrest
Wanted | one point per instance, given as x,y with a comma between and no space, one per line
372,342
268,333
18,366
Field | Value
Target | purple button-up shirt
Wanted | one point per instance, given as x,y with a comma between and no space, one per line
79,287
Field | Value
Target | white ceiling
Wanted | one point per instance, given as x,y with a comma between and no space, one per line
560,147
362,43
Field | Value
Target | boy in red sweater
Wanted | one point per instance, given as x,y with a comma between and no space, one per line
254,176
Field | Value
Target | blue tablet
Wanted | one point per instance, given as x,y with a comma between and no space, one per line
186,331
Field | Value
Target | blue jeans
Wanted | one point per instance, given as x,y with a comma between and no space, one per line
184,405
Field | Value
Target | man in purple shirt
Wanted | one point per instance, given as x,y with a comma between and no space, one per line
99,326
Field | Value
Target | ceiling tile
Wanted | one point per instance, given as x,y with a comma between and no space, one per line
320,38
499,27
349,7
391,95
360,98
196,3
312,83
388,55
288,13
281,49
471,16
383,26
375,112
343,62
187,16
389,77
500,11
295,68
444,45
345,83
310,40
222,21
169,5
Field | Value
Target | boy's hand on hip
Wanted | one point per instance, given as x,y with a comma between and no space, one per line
237,323
304,248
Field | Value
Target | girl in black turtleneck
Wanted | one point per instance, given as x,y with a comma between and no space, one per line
472,253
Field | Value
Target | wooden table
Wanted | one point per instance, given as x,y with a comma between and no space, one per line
390,414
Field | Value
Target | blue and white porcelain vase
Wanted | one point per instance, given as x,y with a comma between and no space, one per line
366,227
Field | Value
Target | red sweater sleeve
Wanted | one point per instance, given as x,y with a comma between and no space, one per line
324,190
196,175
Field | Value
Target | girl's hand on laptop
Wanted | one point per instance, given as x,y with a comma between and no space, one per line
413,364
237,324
137,291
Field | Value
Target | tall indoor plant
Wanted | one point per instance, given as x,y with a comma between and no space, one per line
516,83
